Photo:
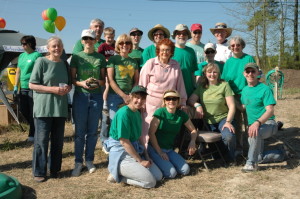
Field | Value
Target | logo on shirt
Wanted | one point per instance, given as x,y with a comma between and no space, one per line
124,71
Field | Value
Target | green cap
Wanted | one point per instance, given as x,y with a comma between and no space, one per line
139,89
251,65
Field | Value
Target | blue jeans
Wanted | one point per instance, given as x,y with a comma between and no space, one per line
176,163
87,110
228,137
48,129
26,108
113,102
256,144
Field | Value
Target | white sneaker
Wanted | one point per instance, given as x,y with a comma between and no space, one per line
110,179
30,139
77,170
250,168
90,166
104,150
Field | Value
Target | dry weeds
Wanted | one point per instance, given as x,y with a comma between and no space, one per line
274,181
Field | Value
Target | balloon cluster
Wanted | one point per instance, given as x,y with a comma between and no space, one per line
52,20
2,23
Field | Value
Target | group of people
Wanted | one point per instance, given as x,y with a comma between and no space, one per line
149,94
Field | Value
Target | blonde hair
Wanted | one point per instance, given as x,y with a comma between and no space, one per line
109,31
124,38
209,67
54,38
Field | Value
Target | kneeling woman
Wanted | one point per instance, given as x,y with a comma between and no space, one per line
126,162
164,127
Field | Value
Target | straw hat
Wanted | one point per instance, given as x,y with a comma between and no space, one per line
158,27
221,26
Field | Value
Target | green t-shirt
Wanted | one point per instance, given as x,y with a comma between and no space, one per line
213,101
88,65
233,72
124,72
199,51
78,47
256,99
203,64
169,126
26,63
49,73
136,54
126,124
148,53
188,63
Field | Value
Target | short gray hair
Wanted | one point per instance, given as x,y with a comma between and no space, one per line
97,21
237,39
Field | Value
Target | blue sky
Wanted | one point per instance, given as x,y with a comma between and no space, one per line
25,16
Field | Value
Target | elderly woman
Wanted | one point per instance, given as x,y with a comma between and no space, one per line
233,74
50,109
156,34
123,74
88,71
258,100
25,65
216,106
157,75
165,126
128,160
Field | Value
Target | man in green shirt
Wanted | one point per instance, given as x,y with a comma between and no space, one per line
136,36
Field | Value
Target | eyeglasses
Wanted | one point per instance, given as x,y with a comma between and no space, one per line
210,52
235,45
87,38
23,44
126,43
171,99
158,34
135,34
181,33
197,32
250,71
165,50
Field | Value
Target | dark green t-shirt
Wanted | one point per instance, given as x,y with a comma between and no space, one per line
169,126
136,54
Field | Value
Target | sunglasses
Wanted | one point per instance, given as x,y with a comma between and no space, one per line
250,71
197,32
210,52
182,33
23,44
87,38
135,34
158,34
235,45
127,43
171,99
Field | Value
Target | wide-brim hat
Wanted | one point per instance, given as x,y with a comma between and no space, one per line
181,27
158,27
171,93
221,26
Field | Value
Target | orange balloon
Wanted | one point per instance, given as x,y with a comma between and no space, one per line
2,23
60,23
44,15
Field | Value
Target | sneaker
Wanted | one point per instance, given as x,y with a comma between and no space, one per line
90,166
110,179
39,179
30,139
104,150
250,168
77,170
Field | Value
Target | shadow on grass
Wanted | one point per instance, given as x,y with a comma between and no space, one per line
17,165
28,192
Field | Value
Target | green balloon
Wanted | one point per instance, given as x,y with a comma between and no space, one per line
49,26
51,14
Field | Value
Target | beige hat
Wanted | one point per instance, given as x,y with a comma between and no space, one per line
171,93
181,27
158,27
221,26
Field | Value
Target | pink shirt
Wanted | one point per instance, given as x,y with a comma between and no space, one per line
157,79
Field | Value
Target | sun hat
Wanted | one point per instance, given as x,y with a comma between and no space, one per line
171,93
251,65
196,26
158,27
139,89
135,30
221,26
209,45
181,27
88,33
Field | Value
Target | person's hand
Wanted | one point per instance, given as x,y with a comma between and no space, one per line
229,126
15,90
164,156
126,99
253,129
145,163
192,148
199,113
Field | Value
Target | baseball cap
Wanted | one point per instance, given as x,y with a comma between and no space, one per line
196,26
135,30
209,45
88,33
139,89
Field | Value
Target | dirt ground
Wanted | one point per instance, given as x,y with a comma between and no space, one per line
280,180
